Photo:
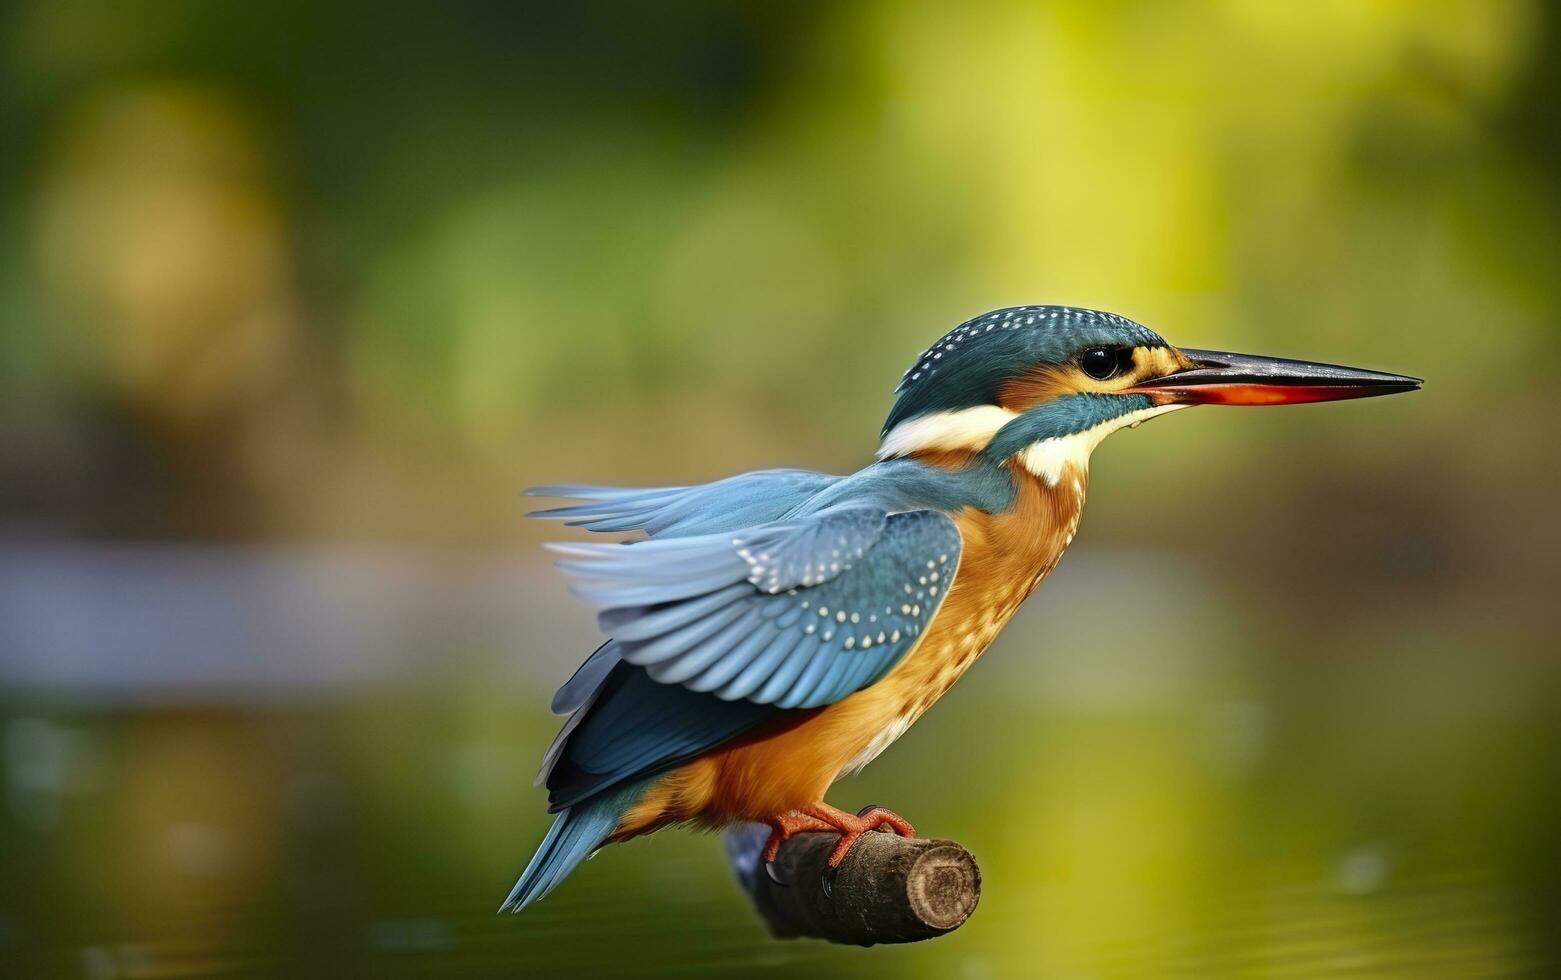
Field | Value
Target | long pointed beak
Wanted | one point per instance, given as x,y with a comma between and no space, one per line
1217,378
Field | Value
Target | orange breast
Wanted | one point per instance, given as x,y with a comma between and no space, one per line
1003,558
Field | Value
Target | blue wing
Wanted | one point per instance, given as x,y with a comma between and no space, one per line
751,499
795,614
725,505
715,635
736,502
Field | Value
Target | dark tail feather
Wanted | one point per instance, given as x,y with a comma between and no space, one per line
576,832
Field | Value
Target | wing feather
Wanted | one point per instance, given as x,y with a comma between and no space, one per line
761,667
736,502
586,678
858,585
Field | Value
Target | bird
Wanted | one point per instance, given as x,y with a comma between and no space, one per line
774,631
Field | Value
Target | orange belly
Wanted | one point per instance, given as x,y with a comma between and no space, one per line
791,764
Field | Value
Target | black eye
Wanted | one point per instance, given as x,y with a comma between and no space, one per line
1099,363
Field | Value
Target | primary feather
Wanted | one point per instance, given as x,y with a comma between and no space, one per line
725,505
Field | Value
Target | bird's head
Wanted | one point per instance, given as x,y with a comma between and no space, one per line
1047,383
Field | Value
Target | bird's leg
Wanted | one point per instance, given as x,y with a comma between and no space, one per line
788,823
851,826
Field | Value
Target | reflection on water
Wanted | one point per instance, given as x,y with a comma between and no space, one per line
177,844
1185,807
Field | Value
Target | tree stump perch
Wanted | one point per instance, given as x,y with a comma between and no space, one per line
888,889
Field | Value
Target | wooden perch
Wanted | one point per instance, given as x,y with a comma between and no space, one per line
888,889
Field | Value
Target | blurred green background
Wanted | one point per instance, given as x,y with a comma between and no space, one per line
294,298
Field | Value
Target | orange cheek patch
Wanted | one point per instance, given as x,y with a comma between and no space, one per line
1034,386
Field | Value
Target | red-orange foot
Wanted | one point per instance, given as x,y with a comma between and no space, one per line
792,822
851,826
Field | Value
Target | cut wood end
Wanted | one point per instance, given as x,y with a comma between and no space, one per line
888,890
944,885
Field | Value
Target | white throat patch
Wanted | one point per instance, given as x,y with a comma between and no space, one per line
1049,457
973,428
968,428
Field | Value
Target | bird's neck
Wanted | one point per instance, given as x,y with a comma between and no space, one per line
1019,544
1004,554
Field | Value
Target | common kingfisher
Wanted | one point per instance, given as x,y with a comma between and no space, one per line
777,630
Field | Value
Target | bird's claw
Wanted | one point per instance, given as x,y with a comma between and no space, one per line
781,830
869,808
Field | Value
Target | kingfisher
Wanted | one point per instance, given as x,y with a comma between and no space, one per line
777,630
